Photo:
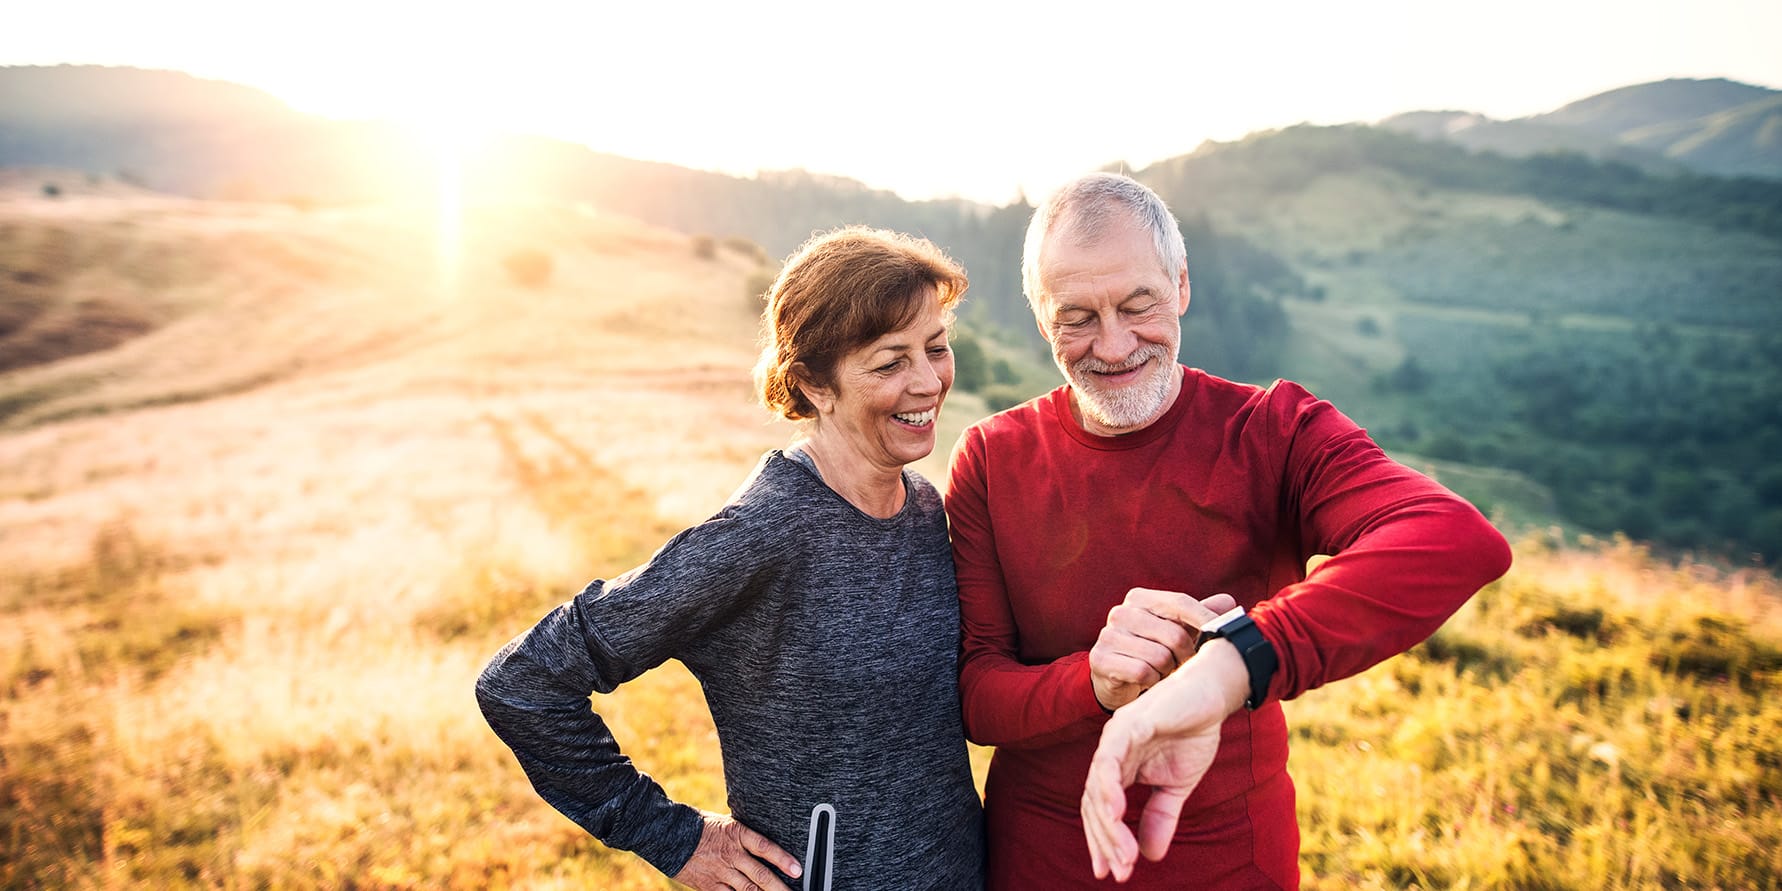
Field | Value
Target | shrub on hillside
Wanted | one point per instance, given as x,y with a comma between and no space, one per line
1716,647
746,247
971,370
757,284
1002,396
1002,372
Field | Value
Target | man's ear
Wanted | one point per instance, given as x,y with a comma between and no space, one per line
1182,292
1039,321
822,398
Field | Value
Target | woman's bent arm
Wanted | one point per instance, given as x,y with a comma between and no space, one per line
534,694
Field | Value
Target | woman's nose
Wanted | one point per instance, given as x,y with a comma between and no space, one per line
926,380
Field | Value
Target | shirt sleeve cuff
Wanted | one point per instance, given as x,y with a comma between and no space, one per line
1280,686
1079,693
670,850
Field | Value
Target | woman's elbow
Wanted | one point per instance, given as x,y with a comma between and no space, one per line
487,683
495,680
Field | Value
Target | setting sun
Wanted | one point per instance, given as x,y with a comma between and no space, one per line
928,98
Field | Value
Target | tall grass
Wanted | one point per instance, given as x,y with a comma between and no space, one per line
322,733
1597,719
239,633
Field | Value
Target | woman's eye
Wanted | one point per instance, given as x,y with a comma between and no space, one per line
887,369
939,351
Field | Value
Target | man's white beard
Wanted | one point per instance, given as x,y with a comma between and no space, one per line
1133,405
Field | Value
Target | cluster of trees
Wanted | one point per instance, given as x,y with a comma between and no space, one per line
1236,325
1670,436
976,371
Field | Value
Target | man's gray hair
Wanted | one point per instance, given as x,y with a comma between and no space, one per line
1087,207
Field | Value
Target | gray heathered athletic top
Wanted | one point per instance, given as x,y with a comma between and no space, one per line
827,643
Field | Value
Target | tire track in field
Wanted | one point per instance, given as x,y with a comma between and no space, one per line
579,496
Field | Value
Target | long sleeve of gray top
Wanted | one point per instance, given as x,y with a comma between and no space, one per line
826,642
534,693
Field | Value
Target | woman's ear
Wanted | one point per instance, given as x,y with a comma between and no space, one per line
821,398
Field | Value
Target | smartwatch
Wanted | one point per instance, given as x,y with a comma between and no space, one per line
1259,655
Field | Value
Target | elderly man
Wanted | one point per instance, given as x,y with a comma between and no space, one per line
1089,524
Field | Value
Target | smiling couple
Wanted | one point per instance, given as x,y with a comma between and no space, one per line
1121,600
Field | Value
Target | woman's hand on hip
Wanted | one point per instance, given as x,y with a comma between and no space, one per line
730,856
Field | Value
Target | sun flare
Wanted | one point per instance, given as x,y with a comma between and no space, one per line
453,142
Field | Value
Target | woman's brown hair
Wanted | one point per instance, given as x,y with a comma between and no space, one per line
840,291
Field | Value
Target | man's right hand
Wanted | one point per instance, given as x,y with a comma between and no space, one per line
1146,637
730,856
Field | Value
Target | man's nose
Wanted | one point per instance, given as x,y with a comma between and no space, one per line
1118,340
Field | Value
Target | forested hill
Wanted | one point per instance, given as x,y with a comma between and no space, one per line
1577,340
1615,335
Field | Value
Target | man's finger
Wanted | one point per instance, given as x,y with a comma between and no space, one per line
1099,830
1092,833
1130,673
1172,605
763,847
1136,621
1124,641
1220,604
1138,660
1157,825
1104,808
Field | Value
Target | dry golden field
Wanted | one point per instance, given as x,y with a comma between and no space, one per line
275,482
255,546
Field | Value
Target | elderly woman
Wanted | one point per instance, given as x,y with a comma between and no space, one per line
817,608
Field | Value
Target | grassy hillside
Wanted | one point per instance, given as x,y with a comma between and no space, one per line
254,550
1598,719
252,556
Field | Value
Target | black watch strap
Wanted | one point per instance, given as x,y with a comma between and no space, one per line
1258,654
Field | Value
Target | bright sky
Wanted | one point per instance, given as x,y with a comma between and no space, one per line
928,98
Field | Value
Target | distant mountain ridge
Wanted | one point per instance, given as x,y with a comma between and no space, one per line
173,131
1592,325
1716,126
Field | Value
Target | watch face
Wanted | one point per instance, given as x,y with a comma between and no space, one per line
1220,621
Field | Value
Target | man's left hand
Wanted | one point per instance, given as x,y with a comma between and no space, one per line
1165,739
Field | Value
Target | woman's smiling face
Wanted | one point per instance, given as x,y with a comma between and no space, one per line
887,394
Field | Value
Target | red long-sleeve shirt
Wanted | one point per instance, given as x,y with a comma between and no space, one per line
1231,491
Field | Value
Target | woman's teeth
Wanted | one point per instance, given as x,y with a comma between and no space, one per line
919,419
